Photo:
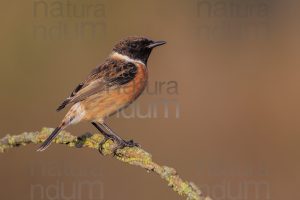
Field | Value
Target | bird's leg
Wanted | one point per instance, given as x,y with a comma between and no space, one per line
129,143
110,134
106,135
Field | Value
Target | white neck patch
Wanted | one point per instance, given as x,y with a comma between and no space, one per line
126,58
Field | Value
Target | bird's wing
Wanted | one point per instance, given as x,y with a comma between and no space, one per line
111,73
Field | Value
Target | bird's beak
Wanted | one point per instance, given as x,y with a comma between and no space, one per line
156,44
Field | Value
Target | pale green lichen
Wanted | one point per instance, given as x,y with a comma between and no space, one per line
134,156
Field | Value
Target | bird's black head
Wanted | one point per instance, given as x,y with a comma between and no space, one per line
138,48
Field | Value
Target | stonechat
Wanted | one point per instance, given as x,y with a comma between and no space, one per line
110,87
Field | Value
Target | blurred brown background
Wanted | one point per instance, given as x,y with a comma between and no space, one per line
237,71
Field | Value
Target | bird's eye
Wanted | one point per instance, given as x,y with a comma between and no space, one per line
134,45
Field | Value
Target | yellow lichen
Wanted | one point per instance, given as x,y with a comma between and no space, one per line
134,156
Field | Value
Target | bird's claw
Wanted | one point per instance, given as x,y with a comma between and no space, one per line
105,139
121,144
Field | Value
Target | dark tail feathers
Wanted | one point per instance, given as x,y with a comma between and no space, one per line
63,105
48,141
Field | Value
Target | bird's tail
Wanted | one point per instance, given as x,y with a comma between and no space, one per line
74,116
48,141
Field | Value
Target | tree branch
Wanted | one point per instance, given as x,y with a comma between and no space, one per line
134,156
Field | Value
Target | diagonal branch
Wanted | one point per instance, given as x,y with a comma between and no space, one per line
134,156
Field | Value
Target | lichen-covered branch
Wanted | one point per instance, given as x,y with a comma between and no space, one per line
134,156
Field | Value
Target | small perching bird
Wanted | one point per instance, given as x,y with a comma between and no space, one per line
109,88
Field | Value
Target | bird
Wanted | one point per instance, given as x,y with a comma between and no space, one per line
109,88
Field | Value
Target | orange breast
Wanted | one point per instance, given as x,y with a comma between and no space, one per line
106,103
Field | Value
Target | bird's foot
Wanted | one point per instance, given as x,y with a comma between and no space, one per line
120,143
105,139
123,143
